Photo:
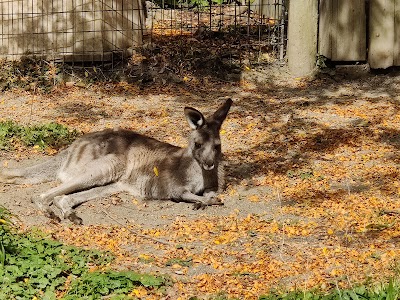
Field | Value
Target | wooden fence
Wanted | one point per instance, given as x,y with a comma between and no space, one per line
78,30
384,32
343,34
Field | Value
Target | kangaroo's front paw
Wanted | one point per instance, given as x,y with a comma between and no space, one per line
214,201
209,202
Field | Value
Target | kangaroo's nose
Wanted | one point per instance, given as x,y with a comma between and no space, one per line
208,167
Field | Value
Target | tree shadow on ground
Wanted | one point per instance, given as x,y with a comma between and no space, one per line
86,112
391,137
293,153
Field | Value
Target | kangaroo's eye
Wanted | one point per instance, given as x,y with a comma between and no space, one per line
197,145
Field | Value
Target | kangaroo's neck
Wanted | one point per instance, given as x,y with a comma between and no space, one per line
187,159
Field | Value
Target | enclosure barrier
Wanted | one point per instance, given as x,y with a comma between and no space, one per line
97,30
80,30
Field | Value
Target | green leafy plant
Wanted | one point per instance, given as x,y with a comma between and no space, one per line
98,284
5,228
43,268
391,291
47,135
302,174
8,132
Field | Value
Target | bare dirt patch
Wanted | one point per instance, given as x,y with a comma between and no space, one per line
312,171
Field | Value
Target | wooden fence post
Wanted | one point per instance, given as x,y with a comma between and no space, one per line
302,36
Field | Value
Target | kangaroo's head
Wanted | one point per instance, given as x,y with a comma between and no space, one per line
205,142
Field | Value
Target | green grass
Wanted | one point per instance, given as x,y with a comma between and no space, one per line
47,135
389,291
32,266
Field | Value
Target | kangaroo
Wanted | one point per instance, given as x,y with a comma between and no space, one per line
117,160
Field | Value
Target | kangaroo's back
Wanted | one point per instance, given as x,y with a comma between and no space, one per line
127,150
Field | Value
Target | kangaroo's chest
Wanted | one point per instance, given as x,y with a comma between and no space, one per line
168,179
196,186
203,181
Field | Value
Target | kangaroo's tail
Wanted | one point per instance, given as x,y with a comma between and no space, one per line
43,172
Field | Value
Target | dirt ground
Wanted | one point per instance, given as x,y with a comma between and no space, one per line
312,195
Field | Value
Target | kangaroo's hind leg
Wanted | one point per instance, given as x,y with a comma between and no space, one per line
98,172
66,203
42,172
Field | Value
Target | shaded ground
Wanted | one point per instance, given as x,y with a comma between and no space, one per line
313,182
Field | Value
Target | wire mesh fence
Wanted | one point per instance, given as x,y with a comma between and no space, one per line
212,38
260,22
147,38
70,30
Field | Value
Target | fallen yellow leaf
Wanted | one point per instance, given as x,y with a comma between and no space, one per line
155,171
254,198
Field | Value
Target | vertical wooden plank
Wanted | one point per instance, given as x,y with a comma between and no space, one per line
342,30
12,36
5,44
381,33
2,21
350,37
325,28
270,9
396,49
53,17
19,44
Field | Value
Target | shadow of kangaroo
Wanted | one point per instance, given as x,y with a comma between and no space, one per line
117,160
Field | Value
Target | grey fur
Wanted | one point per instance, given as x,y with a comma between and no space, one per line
109,161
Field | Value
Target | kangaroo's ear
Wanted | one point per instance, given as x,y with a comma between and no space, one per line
221,113
194,118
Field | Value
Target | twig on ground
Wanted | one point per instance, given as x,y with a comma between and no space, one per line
389,212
